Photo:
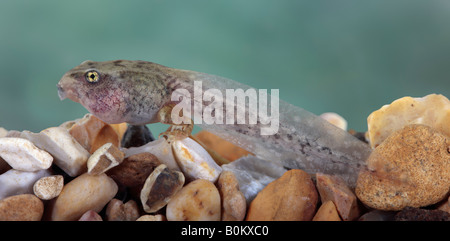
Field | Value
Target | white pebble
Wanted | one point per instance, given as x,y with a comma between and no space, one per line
194,161
69,155
23,155
49,187
14,182
3,132
335,119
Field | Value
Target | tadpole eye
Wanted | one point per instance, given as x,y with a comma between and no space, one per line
92,76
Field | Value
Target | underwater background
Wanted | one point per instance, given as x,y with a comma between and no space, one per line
348,56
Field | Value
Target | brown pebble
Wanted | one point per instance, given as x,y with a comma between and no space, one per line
233,201
292,197
410,168
327,212
24,207
118,211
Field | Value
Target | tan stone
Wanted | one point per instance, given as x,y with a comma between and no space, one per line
333,188
24,207
292,197
197,201
118,211
104,158
157,217
327,212
410,168
233,201
224,148
47,188
92,133
432,110
335,119
84,193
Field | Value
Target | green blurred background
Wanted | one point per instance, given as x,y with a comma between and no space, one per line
349,57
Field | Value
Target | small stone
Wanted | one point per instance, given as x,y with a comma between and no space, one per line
417,214
157,217
3,132
161,185
333,188
24,207
160,148
378,215
118,211
47,188
224,148
92,133
134,170
197,201
233,201
23,155
84,193
292,197
194,161
410,168
104,158
327,212
4,166
335,119
90,216
253,174
14,182
136,135
69,155
432,110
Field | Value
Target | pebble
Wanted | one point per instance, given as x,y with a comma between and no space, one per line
4,166
134,170
161,185
85,192
3,132
23,155
92,133
90,216
104,158
333,188
118,211
327,212
222,147
194,161
47,188
136,135
417,214
233,201
68,154
159,148
335,119
24,207
292,197
378,215
410,168
14,182
157,217
197,201
253,174
432,110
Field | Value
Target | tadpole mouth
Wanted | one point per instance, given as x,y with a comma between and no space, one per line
61,92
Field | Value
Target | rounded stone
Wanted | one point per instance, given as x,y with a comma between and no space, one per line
84,193
197,201
24,207
410,168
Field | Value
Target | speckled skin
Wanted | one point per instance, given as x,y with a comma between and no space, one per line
118,96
